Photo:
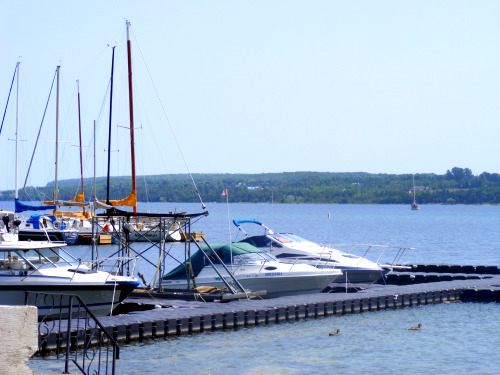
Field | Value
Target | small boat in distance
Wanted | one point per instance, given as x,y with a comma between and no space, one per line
255,269
414,205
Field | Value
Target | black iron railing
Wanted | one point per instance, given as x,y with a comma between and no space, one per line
68,331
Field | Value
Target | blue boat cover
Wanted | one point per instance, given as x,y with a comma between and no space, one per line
21,207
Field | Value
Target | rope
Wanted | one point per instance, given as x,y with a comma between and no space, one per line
383,278
159,261
170,125
38,136
6,105
113,300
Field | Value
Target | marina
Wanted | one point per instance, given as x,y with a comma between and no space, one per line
361,139
163,336
148,317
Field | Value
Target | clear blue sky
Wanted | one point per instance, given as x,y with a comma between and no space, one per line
259,86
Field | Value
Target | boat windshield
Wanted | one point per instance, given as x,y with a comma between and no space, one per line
35,258
285,238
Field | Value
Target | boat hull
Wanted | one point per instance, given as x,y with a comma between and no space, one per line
276,284
153,236
69,237
100,298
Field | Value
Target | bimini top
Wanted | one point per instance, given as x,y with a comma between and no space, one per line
237,222
223,251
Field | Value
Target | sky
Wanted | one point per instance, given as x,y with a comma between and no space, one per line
254,86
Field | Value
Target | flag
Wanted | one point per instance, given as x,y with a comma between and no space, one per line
224,192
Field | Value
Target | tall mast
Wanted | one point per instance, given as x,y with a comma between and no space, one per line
57,138
80,135
95,192
17,125
414,201
131,108
109,130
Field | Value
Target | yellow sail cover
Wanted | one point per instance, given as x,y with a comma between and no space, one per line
130,201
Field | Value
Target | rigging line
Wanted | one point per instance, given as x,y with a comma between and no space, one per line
38,136
6,105
98,121
169,124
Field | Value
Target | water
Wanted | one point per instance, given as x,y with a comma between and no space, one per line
455,338
368,343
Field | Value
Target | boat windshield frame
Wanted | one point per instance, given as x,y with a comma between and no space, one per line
253,258
27,255
286,238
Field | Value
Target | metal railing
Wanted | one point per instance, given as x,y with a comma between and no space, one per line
68,331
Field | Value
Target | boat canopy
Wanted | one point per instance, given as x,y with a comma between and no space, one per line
237,222
198,259
21,207
35,220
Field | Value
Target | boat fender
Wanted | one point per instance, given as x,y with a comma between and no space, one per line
128,228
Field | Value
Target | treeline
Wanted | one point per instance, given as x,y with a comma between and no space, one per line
456,186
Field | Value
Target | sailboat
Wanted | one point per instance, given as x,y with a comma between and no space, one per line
414,205
45,226
30,270
77,220
131,200
37,227
146,229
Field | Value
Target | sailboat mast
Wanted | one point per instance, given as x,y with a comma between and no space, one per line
57,139
17,125
109,130
131,108
80,136
95,192
414,189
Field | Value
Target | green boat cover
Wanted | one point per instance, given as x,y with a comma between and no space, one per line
198,260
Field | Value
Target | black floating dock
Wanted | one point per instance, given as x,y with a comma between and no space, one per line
141,318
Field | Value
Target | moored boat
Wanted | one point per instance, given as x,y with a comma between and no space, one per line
290,248
253,268
46,228
41,267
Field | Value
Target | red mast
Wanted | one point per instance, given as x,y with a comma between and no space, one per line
131,107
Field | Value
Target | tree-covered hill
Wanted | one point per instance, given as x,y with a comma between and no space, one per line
456,186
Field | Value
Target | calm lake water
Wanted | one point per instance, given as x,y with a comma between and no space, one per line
456,338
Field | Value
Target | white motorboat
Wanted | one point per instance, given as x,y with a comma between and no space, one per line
290,248
45,267
253,268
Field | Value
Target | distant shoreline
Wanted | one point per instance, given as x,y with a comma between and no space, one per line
456,186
